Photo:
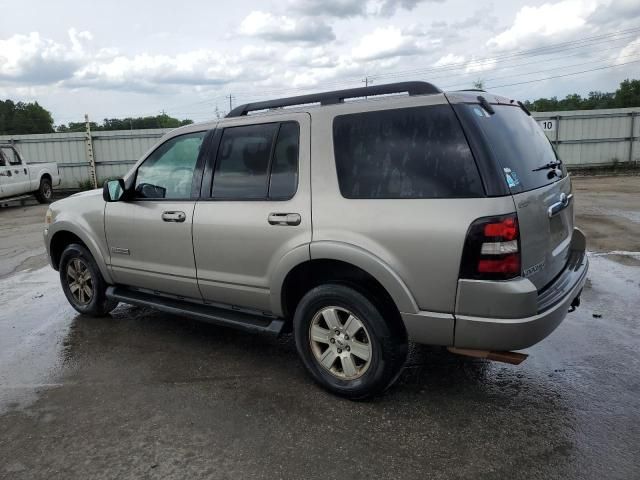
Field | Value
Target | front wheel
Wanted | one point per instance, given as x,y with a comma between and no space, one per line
45,191
82,282
346,344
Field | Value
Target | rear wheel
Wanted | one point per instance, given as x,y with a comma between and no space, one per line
82,282
345,342
45,191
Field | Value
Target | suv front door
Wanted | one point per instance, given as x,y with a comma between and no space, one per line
149,233
256,209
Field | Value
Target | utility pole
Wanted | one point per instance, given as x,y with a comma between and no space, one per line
230,97
366,82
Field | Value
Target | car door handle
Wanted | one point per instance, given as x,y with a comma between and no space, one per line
174,216
284,219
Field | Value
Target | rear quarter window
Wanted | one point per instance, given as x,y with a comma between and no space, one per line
418,152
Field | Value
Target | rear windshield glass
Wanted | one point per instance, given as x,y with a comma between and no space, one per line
418,152
518,144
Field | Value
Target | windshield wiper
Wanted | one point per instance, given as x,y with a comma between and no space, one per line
547,166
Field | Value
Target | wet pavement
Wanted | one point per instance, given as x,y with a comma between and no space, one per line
141,394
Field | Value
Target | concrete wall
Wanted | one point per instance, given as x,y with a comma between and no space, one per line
583,138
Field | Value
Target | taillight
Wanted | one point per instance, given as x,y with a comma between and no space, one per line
492,249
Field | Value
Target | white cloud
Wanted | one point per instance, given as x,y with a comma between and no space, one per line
449,59
480,65
353,8
284,28
144,71
549,21
630,52
310,57
32,58
386,42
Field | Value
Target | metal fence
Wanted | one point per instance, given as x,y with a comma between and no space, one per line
113,152
594,138
583,138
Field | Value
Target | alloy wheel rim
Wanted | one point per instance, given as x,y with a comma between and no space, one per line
80,281
47,191
340,343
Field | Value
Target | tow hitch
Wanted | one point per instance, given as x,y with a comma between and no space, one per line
575,303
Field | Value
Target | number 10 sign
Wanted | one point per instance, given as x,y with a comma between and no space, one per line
547,125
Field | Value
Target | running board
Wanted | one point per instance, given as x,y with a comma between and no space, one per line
206,313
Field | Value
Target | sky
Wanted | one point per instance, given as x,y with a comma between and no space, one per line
113,59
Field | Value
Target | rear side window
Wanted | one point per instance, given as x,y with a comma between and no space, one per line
257,162
418,152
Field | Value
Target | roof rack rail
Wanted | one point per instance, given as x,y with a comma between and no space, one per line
338,96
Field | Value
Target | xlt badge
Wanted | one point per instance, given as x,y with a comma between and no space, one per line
533,269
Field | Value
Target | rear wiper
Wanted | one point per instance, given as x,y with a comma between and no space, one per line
547,166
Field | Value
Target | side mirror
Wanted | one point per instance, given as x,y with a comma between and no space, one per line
112,190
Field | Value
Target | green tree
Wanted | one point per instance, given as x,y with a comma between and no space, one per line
628,95
22,118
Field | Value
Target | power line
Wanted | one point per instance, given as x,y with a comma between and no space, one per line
564,75
636,56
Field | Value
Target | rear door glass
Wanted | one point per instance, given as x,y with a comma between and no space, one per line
518,144
418,152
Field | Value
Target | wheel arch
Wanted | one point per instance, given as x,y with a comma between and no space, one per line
331,261
66,235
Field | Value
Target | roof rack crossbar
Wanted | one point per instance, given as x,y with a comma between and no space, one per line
338,96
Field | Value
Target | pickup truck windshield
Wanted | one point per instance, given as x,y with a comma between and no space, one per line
519,146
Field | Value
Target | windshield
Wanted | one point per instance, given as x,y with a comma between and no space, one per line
519,146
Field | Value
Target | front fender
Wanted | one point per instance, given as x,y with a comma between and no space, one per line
80,228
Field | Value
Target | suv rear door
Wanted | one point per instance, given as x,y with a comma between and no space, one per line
541,192
255,207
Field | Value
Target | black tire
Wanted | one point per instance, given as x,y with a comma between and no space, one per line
96,305
388,341
44,194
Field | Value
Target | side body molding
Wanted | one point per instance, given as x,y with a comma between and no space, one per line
371,264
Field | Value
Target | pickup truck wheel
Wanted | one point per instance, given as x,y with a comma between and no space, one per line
345,342
82,282
45,191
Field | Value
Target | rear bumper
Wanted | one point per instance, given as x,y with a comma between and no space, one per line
551,307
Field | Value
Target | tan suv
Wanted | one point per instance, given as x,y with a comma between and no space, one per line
360,219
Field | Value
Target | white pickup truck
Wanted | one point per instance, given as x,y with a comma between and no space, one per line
17,178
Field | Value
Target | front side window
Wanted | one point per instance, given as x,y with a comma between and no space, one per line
168,172
418,152
257,162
